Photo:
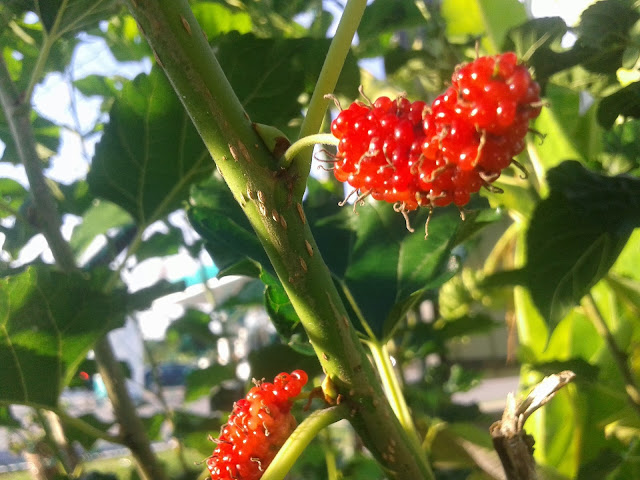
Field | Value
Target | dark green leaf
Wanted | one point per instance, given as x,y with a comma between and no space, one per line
389,269
48,323
153,425
150,152
283,315
625,102
229,237
160,245
268,72
539,39
603,32
576,235
268,361
200,382
6,419
75,197
194,430
143,298
382,19
68,16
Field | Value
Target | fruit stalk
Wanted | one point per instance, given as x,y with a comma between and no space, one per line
271,198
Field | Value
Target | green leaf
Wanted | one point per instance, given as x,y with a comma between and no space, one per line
46,133
625,102
268,72
200,382
603,33
283,315
193,430
7,420
229,237
12,194
627,290
540,40
268,361
96,85
194,325
143,298
389,269
216,19
491,19
150,152
99,218
574,236
60,17
48,323
381,19
160,245
559,122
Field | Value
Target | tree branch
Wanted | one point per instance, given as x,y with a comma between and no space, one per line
17,112
271,198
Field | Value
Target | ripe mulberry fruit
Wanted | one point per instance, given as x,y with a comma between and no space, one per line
415,155
257,427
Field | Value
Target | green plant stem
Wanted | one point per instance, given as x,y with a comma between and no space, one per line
58,450
17,114
393,389
620,358
329,74
271,198
87,428
309,141
300,438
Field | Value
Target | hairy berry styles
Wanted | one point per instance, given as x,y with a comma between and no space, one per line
414,155
258,426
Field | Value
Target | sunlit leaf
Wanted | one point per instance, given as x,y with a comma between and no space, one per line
150,152
99,218
586,239
491,19
48,323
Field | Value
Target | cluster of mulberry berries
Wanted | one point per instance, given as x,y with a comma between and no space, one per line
415,155
258,426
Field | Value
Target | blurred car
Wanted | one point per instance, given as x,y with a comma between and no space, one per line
169,375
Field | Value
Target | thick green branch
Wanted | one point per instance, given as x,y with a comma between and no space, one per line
270,197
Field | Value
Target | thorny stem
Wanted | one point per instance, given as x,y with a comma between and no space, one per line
271,198
620,358
17,114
